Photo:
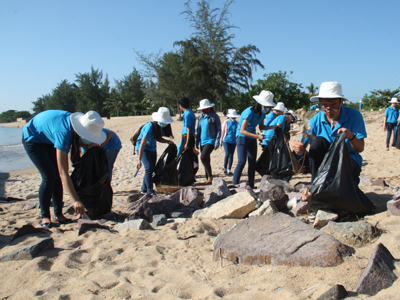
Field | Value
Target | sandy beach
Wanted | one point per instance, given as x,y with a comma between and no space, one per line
175,261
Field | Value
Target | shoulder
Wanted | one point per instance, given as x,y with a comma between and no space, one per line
352,112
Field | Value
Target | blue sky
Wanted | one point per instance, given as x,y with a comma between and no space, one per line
43,42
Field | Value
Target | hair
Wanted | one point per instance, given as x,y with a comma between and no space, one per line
257,108
184,102
162,131
75,150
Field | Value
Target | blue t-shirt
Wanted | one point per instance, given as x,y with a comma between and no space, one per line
270,132
270,117
204,137
231,132
253,118
189,120
391,114
350,118
147,132
50,127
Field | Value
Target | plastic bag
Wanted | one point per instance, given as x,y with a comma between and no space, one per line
185,168
91,182
275,159
396,137
165,171
334,187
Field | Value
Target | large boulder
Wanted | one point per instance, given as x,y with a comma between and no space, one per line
216,192
277,196
188,197
351,233
236,206
278,239
30,251
267,184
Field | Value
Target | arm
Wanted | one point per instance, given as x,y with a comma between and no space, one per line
189,132
243,131
198,133
224,130
109,136
62,163
162,140
384,123
357,144
141,150
263,127
218,129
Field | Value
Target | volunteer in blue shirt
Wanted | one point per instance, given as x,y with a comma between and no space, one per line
361,107
246,137
150,134
282,121
334,118
390,122
111,145
277,111
47,139
208,135
189,126
228,139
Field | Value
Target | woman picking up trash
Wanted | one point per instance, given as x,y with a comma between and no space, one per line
47,139
151,133
276,112
228,139
246,137
208,135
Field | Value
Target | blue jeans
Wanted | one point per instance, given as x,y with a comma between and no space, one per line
149,162
229,151
246,150
390,127
44,158
111,157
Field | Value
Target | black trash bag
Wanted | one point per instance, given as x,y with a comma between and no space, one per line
275,159
165,171
396,137
195,161
334,187
91,182
185,168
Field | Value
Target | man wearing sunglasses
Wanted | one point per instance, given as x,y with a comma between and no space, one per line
333,119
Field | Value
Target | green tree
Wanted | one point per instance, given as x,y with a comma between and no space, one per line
312,90
40,104
380,98
63,97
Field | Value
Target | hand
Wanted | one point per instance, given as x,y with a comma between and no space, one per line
197,147
384,127
92,146
260,137
277,126
349,133
79,208
139,164
186,147
216,148
298,147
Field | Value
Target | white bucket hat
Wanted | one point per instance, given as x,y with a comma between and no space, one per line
280,107
232,113
291,112
205,103
394,100
162,115
329,89
265,98
89,126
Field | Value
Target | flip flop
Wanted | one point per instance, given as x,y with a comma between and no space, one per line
46,225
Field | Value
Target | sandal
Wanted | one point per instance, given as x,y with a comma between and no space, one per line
46,225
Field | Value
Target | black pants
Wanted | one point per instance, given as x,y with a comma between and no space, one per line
318,148
390,127
190,144
205,158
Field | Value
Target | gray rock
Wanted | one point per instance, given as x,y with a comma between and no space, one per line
236,206
85,225
323,217
159,220
300,187
296,195
301,208
378,274
278,239
138,224
365,180
183,212
216,192
276,195
246,189
337,292
30,204
350,233
32,196
268,184
396,195
30,251
393,208
267,208
188,197
29,230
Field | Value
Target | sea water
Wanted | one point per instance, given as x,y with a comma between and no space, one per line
12,153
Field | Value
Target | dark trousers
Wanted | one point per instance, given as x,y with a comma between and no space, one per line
390,127
246,151
44,158
318,148
229,152
149,159
205,158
